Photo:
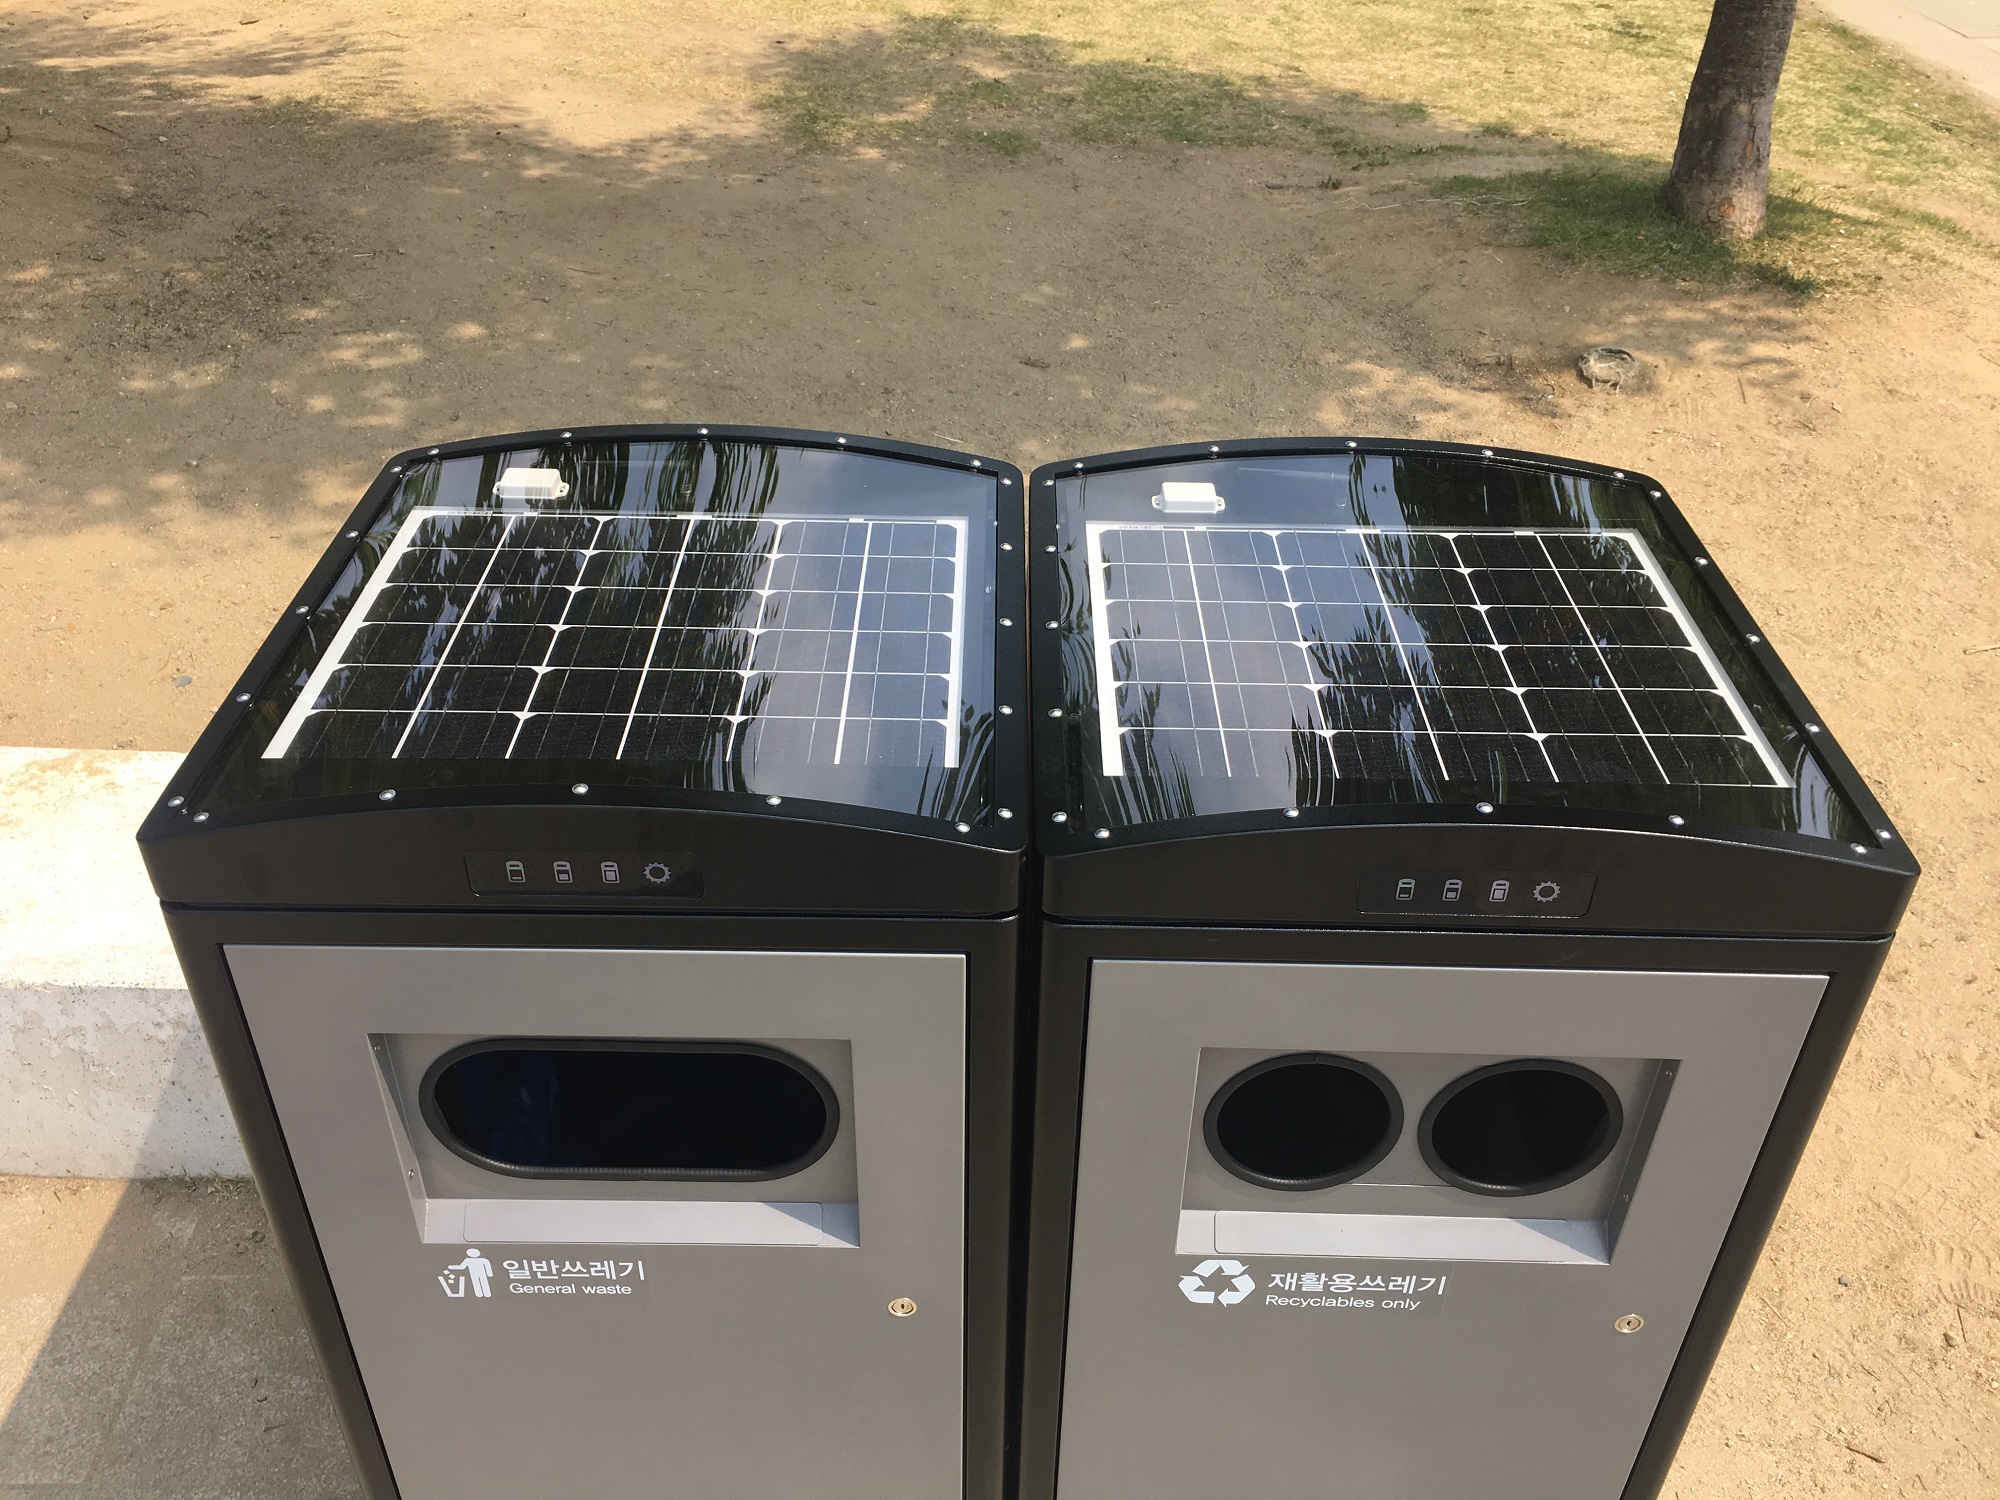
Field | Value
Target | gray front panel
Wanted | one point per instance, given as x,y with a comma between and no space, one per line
1443,1344
599,1369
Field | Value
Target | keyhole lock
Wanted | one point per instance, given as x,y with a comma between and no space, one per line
1630,1323
902,1307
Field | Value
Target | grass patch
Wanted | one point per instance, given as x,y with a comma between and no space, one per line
1614,218
1850,110
1872,159
1601,75
949,80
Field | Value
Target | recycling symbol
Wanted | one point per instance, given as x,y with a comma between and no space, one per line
1195,1286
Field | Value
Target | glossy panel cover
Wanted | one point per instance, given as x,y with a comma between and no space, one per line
1269,630
757,615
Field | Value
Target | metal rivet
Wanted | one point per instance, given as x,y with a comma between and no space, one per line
1859,848
841,441
581,788
1352,444
201,817
1102,833
703,431
975,463
434,453
1006,546
352,535
1076,466
175,801
1005,620
1617,473
387,794
242,697
1885,835
1007,482
902,1307
1485,807
963,827
1701,562
1213,449
1006,708
565,434
1630,1323
1055,713
1677,820
301,610
1052,624
1048,484
1485,452
1656,494
1005,812
1291,812
395,468
1058,817
1050,547
1753,639
774,801
1812,729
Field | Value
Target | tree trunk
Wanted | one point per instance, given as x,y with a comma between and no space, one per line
1722,165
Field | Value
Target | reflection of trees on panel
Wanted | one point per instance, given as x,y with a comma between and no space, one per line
955,792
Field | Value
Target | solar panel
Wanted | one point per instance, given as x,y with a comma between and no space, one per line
580,635
1424,654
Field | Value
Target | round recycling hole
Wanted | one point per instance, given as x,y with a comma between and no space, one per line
1520,1127
1303,1121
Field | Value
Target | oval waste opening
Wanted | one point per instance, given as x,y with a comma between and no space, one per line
1304,1121
728,1111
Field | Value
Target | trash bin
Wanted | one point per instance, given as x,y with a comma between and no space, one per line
1453,919
601,896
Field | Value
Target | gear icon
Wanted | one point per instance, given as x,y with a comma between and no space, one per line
1547,891
658,874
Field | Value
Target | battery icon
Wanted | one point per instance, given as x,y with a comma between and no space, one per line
563,873
1500,888
609,870
517,873
1453,889
1406,889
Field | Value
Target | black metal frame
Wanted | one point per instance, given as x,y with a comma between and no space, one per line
1068,950
994,954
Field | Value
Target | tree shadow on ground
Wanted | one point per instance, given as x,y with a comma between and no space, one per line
948,233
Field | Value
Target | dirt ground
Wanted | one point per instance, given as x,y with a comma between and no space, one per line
249,250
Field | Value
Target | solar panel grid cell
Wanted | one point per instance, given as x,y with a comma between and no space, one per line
598,637
1420,654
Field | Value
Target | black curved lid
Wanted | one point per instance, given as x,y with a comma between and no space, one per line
1397,670
737,631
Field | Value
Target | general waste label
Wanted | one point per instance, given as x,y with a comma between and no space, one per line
473,1278
1221,1282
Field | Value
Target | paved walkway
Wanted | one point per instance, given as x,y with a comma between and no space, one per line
151,1349
1962,36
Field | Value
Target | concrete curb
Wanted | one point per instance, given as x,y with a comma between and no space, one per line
103,1068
